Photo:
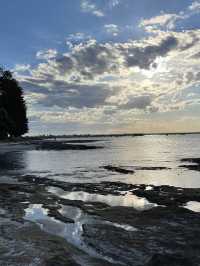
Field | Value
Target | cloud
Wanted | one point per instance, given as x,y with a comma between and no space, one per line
90,60
114,3
195,6
112,29
166,21
76,38
88,7
143,57
21,68
107,83
46,54
79,96
137,102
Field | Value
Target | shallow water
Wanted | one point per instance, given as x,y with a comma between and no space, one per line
193,206
72,232
129,152
126,199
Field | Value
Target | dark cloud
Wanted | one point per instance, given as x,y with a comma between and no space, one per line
196,55
64,64
138,102
80,97
94,59
89,60
143,57
65,95
187,45
33,86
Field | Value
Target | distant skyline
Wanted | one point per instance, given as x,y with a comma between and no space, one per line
105,66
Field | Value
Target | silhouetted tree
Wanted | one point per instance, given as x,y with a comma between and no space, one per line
13,120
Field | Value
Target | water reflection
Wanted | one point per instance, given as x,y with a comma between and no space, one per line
126,200
85,166
72,232
193,206
12,161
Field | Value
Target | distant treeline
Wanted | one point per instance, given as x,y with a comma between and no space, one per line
105,135
13,119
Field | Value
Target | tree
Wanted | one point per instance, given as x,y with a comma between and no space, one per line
13,107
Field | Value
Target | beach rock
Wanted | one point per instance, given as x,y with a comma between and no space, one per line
118,169
163,231
169,260
195,166
59,145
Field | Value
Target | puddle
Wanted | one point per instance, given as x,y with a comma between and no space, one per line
72,232
193,206
149,188
127,200
2,211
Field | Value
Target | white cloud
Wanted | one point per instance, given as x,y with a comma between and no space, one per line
76,38
164,20
195,6
21,68
112,29
168,21
46,54
114,3
88,7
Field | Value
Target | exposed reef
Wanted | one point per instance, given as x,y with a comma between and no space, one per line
118,169
61,145
195,166
119,235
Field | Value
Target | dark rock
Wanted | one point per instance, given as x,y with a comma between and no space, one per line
191,160
59,145
191,167
118,169
152,168
173,231
122,234
169,260
195,166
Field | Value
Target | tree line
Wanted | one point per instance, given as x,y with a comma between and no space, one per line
13,117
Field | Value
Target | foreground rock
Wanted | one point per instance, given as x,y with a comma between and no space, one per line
163,235
166,235
161,195
23,243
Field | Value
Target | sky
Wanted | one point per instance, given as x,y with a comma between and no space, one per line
105,66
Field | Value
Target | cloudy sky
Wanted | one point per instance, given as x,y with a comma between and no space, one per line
105,66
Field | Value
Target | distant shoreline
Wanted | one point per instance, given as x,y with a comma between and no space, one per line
109,135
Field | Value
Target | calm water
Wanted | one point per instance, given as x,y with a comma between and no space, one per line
128,152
